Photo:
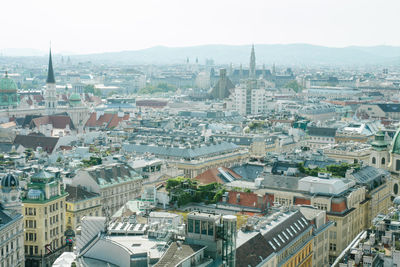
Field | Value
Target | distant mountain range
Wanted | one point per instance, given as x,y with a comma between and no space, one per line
290,54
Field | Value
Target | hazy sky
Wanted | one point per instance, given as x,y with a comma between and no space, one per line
89,26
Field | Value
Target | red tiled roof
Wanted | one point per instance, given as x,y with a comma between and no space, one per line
212,176
109,120
302,201
58,121
247,200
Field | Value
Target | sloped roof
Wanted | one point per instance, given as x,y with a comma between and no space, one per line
321,131
58,121
214,176
368,174
109,120
77,193
389,107
110,174
186,153
33,141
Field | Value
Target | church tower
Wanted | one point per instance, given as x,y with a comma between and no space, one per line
10,194
50,95
379,157
252,69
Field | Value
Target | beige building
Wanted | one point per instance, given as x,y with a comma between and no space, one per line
116,184
349,152
80,203
345,203
44,219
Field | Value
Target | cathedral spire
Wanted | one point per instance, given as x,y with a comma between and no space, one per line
252,70
50,74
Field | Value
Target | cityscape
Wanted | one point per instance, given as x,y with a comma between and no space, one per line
137,145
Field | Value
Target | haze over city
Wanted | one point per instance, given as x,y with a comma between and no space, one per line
199,133
80,27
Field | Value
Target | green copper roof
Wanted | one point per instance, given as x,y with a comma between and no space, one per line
379,143
7,83
396,143
75,97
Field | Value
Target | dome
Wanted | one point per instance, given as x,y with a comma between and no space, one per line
396,200
75,97
396,143
9,181
7,84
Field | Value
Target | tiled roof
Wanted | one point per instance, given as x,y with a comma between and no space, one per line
110,174
77,193
33,141
186,153
58,121
108,120
389,107
320,131
214,176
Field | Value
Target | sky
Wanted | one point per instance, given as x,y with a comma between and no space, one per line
94,26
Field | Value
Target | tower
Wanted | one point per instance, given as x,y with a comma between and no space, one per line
379,157
252,69
50,93
10,194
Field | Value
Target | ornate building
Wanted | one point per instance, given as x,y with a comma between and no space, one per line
11,223
44,216
8,93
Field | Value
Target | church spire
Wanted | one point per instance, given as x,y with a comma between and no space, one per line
50,74
252,70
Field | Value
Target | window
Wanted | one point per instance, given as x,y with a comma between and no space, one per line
383,161
373,160
190,226
332,246
197,226
210,229
203,227
398,165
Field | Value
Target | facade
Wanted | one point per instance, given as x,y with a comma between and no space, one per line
346,203
44,214
115,183
281,239
319,137
11,223
80,203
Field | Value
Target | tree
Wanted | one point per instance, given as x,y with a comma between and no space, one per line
294,85
90,89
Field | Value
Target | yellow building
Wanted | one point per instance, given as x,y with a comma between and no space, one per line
80,203
282,239
44,219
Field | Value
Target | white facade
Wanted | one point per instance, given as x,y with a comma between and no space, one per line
250,102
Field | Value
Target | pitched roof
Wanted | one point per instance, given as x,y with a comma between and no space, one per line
108,120
110,174
253,251
50,74
214,176
389,107
33,141
321,131
58,121
77,193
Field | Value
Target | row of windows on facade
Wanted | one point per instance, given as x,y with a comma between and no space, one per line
203,227
11,233
84,205
53,219
383,160
34,250
52,208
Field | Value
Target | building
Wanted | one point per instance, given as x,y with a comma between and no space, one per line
280,239
80,203
11,223
44,214
319,137
195,160
116,183
223,87
378,245
379,111
8,93
345,203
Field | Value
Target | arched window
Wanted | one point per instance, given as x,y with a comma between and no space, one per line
373,160
383,161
